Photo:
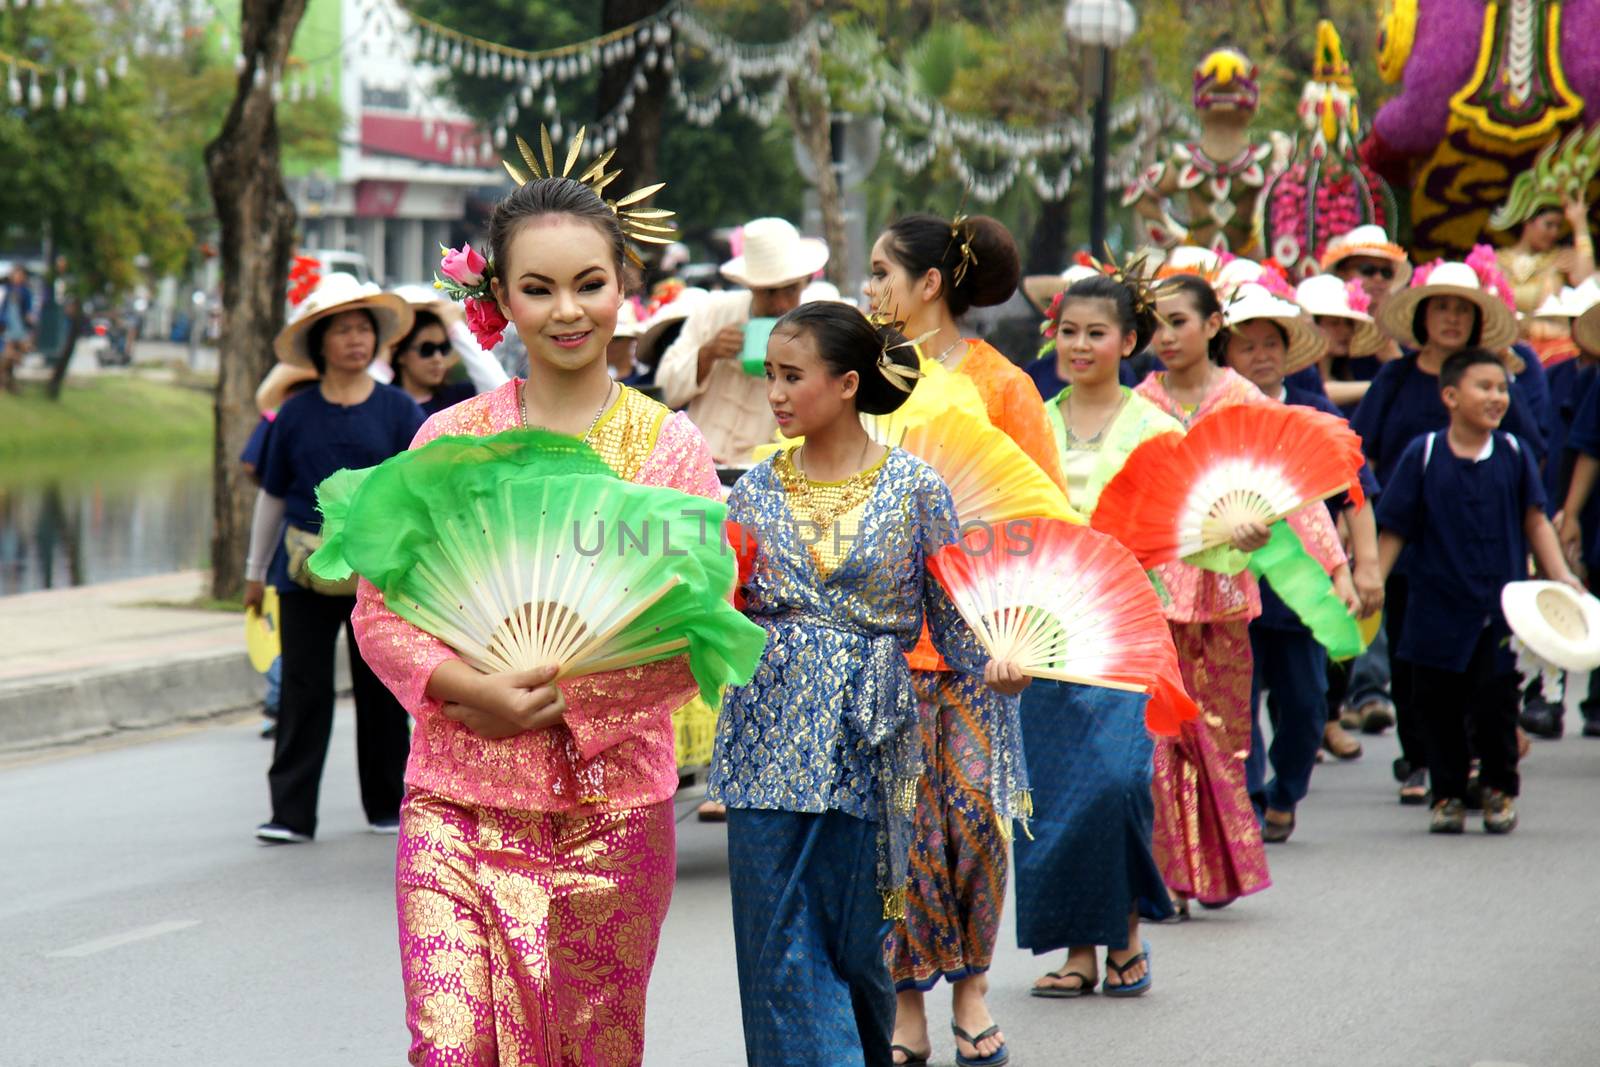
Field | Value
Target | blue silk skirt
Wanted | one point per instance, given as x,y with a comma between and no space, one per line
1088,864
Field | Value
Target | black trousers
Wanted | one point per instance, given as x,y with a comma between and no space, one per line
1403,689
310,627
1467,713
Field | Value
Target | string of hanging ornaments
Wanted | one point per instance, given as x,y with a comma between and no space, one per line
34,86
755,80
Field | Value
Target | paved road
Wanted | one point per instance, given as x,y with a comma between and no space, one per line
142,925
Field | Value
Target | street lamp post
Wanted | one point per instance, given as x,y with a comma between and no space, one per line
1101,26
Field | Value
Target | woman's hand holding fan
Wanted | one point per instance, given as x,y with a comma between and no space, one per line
1240,468
497,706
1051,599
1005,677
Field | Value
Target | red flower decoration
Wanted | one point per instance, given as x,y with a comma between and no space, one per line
485,322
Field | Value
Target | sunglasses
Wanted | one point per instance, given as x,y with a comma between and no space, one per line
429,349
1374,270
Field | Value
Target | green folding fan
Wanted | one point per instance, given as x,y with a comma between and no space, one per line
525,549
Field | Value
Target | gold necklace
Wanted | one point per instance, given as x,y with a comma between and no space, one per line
522,410
824,502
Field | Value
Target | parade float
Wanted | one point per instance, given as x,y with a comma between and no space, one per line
1476,109
1326,190
1206,192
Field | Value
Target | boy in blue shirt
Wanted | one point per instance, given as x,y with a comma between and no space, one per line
1465,505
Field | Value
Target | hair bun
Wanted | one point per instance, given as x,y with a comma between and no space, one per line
992,279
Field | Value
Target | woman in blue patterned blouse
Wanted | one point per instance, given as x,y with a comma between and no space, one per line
817,758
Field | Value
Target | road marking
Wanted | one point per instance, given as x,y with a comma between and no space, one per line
141,933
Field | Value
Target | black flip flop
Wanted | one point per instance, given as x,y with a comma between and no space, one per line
997,1058
913,1058
1052,992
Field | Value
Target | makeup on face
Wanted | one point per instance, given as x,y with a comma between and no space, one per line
1090,344
563,292
1183,335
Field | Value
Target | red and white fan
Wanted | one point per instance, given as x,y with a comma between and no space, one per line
1178,495
1066,603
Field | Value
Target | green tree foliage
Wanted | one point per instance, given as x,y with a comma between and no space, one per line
99,176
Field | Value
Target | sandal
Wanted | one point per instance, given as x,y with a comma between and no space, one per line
912,1058
1000,1055
1084,987
1132,989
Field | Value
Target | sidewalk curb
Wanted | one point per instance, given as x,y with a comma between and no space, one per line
53,710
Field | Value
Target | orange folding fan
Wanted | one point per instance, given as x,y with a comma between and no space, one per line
1178,495
991,478
1064,602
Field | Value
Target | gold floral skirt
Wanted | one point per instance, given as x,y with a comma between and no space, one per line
527,938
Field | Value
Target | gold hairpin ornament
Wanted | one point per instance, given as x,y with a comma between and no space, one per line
963,238
1134,275
902,378
644,225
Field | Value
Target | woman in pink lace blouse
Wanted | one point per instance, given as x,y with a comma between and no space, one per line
536,854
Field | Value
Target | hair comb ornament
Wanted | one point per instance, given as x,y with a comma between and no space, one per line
639,224
902,378
1136,275
961,237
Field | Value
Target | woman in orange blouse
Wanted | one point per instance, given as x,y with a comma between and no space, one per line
929,271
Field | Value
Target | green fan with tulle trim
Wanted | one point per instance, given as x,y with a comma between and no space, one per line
524,549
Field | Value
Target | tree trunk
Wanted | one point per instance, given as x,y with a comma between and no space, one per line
243,167
813,124
75,323
637,149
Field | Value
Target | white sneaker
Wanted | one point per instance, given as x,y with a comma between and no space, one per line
388,827
277,834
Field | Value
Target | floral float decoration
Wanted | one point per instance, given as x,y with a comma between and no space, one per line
1326,190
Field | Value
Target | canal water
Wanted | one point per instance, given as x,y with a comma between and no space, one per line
80,522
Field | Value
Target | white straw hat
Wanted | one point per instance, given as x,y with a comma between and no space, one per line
1251,303
775,255
628,324
1368,240
1040,289
1558,624
335,293
1329,295
1498,325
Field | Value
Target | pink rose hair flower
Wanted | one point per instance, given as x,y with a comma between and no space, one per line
464,266
485,321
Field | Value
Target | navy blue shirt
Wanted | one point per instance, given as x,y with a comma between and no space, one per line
255,449
448,395
1309,380
1404,403
1534,385
312,439
1043,373
1583,438
1462,520
1275,614
1569,382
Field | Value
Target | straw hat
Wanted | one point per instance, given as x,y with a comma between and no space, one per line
1040,289
335,293
1327,294
775,255
1499,324
274,388
628,324
1252,303
1583,304
651,329
1369,240
1558,624
1190,259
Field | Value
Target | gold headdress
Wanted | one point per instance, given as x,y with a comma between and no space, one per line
645,225
902,378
